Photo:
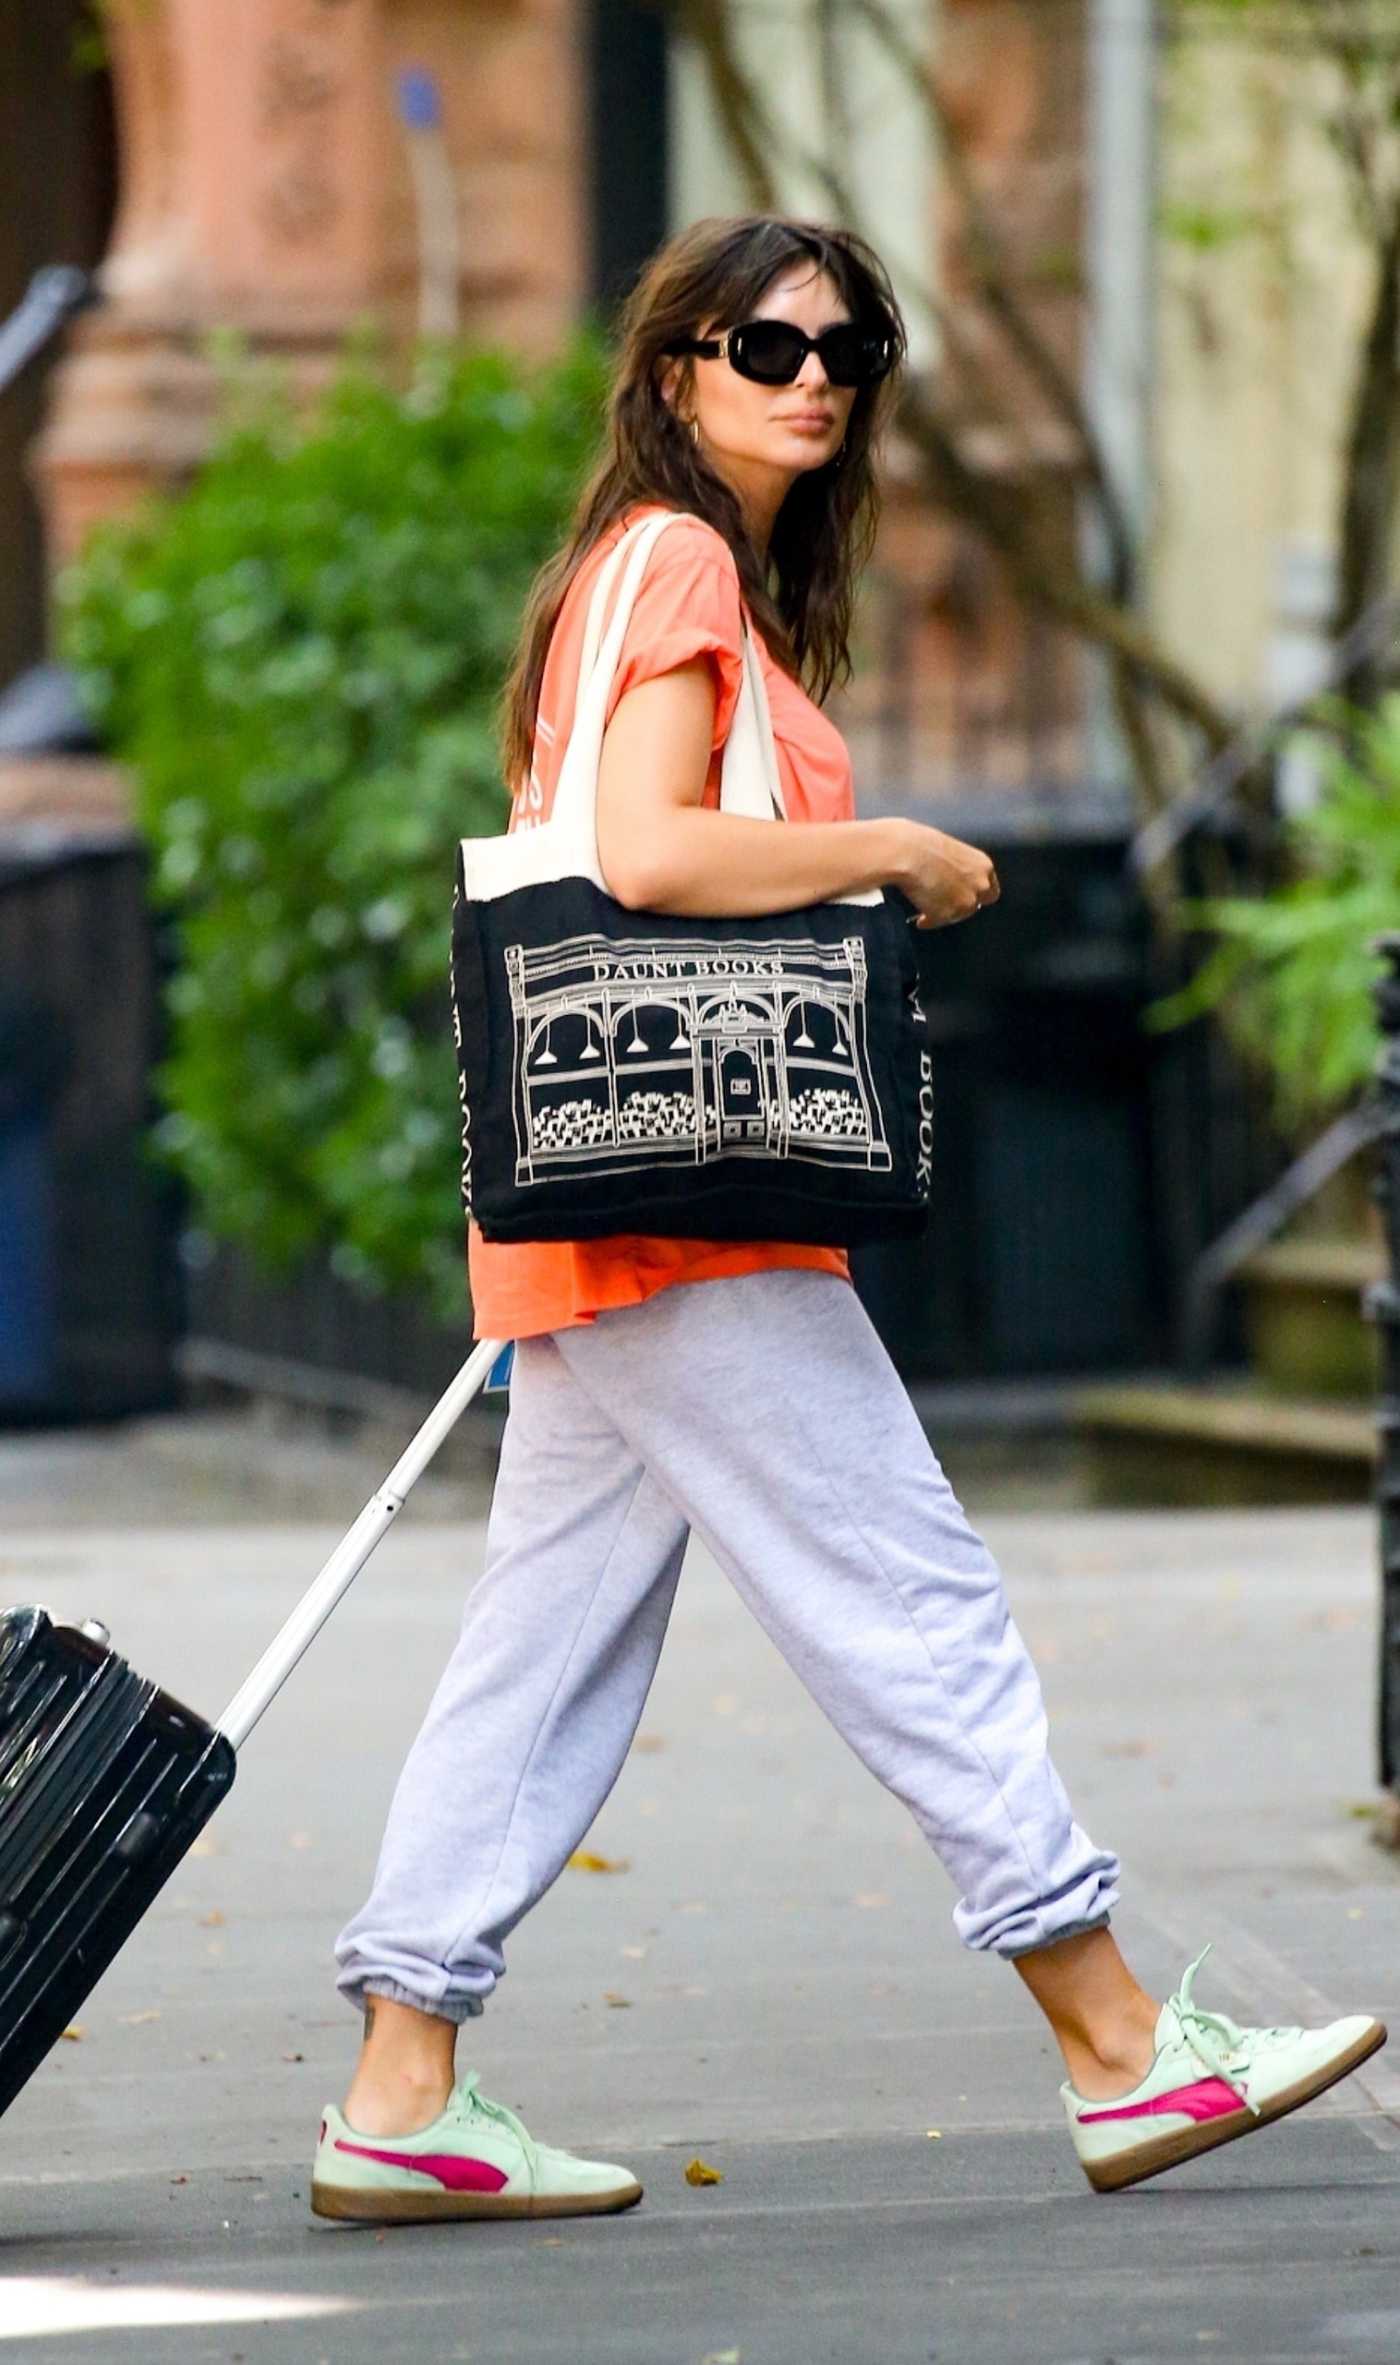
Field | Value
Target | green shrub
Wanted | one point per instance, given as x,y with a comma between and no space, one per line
1292,971
299,659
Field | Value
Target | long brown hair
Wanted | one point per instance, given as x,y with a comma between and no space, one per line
717,271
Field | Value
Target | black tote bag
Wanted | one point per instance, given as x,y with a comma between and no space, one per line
634,1071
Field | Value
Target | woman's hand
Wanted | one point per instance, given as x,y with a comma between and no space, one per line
947,879
658,851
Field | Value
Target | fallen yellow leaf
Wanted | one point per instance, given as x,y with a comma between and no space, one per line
698,2173
585,1860
620,2003
211,1921
934,2134
75,2034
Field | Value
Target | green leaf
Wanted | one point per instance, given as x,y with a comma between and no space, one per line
1292,972
299,659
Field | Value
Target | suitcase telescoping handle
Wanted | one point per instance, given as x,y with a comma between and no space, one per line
349,1556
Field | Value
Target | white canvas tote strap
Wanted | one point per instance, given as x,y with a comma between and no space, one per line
567,843
576,793
750,749
753,721
748,765
752,714
597,608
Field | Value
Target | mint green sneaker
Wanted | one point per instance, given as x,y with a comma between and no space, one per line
1210,2081
475,2160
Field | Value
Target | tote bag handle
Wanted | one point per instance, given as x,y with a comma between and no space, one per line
749,779
749,770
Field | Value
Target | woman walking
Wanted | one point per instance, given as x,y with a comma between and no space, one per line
739,1389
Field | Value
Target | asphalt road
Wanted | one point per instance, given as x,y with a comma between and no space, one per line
772,1984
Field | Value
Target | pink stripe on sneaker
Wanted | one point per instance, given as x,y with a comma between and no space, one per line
1209,2098
454,2174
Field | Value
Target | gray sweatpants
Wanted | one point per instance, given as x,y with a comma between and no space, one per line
763,1411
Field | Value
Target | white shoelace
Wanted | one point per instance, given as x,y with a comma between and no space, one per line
470,2098
1212,2036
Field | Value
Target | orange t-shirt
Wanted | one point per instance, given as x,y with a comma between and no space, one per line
687,606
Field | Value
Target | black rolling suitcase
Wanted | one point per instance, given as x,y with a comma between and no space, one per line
105,1781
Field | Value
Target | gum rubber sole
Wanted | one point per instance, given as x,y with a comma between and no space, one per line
1169,2151
421,2208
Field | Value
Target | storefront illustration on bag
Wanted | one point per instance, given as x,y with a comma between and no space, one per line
684,1051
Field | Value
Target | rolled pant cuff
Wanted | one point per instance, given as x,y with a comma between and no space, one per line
453,2008
1099,1921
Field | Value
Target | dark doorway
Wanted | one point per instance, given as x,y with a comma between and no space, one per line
743,1107
58,182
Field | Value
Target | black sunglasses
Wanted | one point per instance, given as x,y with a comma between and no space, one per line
772,352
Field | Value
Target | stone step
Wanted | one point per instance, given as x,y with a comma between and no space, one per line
1303,1314
1167,1444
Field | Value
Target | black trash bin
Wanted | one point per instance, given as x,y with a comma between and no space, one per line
33,1068
89,1274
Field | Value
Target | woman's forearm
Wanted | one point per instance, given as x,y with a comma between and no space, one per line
706,864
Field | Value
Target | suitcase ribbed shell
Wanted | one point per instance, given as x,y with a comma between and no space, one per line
105,1781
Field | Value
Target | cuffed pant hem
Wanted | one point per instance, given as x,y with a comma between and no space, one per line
1099,1921
453,2008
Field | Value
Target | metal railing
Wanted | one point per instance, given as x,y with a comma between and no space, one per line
1376,630
1383,1308
1205,807
1349,1134
53,295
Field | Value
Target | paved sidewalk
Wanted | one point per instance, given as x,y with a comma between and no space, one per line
772,1983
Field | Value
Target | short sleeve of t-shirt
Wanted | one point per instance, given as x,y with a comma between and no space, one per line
687,606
